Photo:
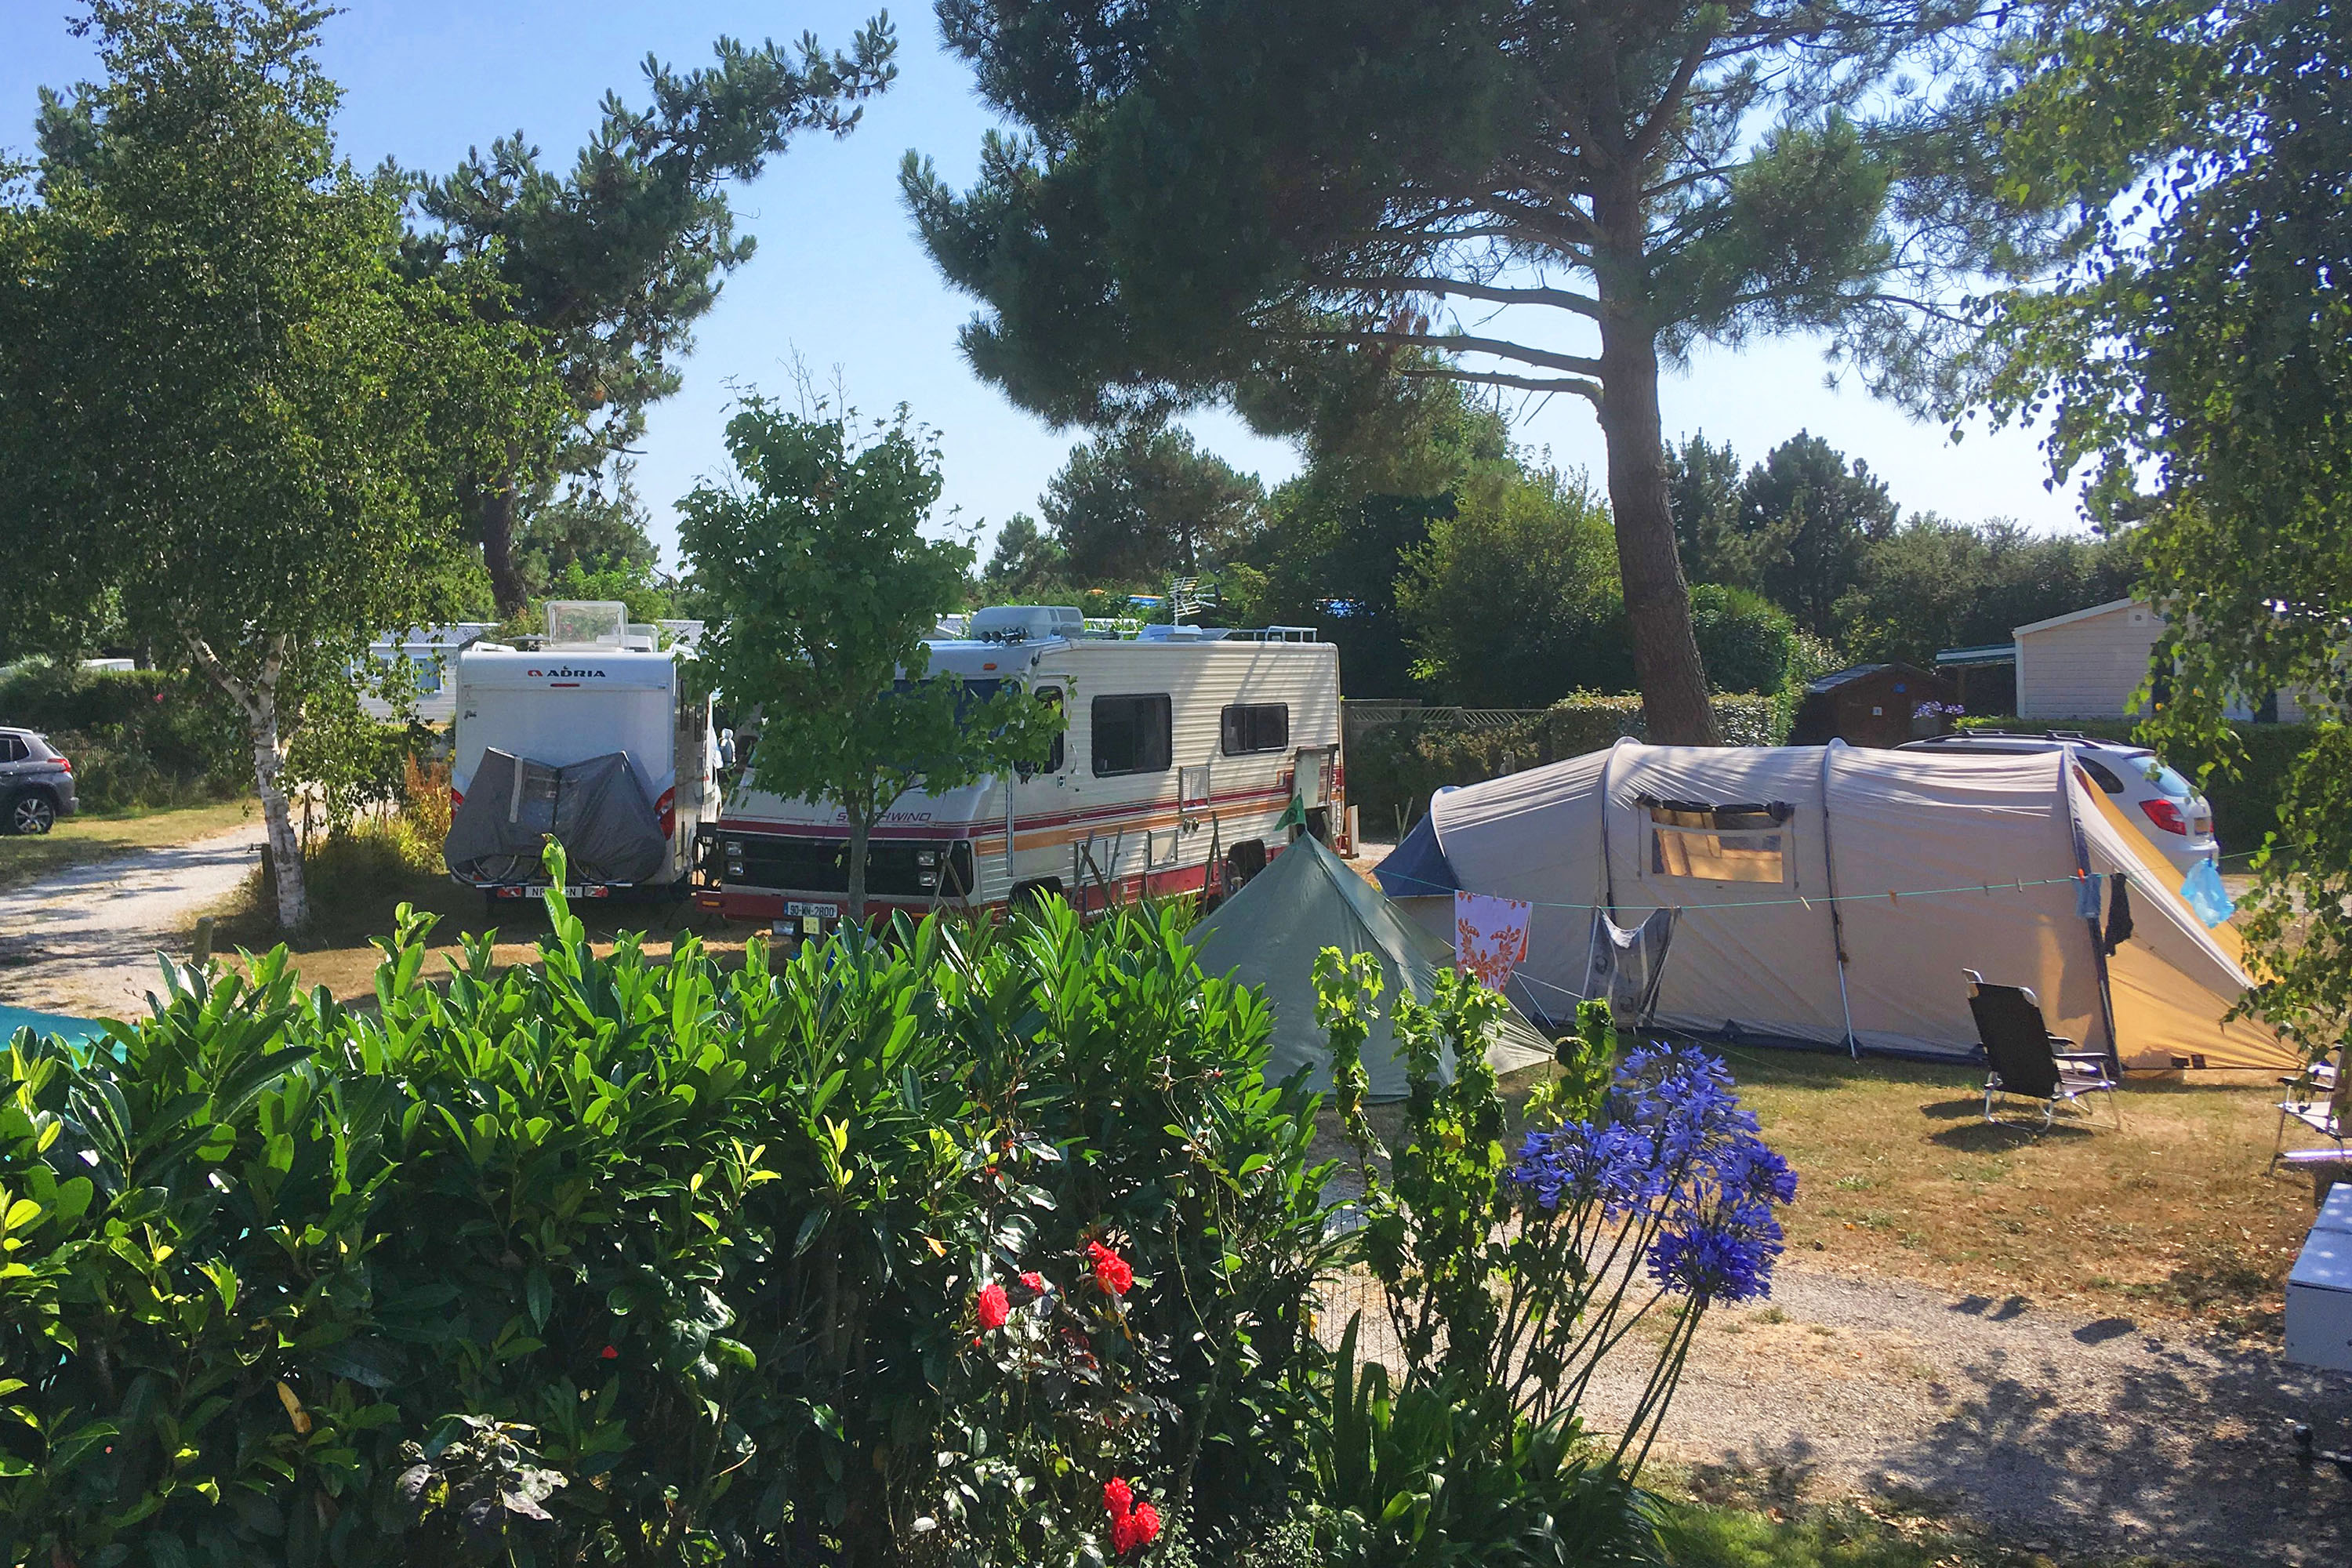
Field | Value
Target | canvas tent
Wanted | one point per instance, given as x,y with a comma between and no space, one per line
1832,896
1308,899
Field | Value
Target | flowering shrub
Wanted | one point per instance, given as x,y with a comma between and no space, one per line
696,1259
1509,1279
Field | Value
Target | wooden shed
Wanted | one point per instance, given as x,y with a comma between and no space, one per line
1880,705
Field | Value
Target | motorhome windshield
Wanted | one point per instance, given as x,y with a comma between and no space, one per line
969,696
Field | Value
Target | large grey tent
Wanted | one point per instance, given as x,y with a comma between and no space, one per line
1308,899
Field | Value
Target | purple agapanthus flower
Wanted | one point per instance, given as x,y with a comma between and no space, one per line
1671,1153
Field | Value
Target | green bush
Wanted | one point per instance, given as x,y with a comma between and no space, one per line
1392,773
137,738
1745,640
2244,790
605,1261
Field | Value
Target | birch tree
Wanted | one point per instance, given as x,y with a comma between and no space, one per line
224,411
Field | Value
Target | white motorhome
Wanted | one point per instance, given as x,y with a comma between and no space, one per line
593,690
1185,749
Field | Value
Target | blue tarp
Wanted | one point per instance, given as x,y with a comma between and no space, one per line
1417,868
77,1031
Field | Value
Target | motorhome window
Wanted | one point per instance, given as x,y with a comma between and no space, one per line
1248,727
1132,735
1051,696
969,696
1719,843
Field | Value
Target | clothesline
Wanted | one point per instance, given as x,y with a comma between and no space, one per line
1891,894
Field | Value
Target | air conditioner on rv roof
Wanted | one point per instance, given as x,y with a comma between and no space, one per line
1026,623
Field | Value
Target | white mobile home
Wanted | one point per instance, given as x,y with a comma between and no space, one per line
1184,751
431,652
2089,664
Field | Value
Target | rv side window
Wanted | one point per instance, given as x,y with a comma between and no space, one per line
1051,696
1255,727
1132,735
1719,843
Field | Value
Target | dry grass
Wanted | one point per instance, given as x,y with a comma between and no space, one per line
82,839
2174,1215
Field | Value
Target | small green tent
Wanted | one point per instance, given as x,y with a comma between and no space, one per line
1308,899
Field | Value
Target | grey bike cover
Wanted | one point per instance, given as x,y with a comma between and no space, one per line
595,809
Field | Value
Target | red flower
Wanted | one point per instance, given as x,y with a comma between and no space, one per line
1118,1497
609,1353
1036,1282
1130,1531
1111,1271
993,1307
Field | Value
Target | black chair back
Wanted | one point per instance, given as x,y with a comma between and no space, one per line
2016,1039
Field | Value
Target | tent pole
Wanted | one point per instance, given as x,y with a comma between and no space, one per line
1837,920
2067,782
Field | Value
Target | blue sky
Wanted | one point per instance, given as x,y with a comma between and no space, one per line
841,280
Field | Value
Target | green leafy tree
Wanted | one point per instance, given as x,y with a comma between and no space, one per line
816,559
1027,558
615,262
1703,484
1211,195
2198,361
1513,602
1746,641
1935,583
1806,517
1144,502
596,522
225,413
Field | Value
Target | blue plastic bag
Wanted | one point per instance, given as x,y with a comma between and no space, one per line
2202,888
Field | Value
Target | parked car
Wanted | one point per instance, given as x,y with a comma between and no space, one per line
37,783
2156,798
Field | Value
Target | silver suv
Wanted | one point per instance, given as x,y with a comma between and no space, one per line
2154,796
37,784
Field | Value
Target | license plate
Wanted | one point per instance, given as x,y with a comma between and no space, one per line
815,911
597,891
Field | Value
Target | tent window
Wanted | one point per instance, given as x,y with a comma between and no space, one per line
1132,735
1255,727
1719,843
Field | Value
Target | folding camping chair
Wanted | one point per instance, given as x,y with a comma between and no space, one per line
2026,1059
2320,1097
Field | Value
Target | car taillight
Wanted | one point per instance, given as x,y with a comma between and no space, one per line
666,809
2165,815
456,799
65,764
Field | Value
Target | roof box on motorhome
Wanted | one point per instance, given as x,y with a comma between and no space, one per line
1026,623
586,623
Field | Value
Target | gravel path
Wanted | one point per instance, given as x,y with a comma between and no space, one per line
2098,1434
85,940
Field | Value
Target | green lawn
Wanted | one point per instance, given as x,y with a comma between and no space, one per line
78,840
1845,1535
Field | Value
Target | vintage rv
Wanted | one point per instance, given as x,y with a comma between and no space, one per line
1185,749
596,736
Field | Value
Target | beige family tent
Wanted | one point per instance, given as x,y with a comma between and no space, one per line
1832,896
1308,899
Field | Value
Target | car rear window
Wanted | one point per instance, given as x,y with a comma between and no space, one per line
2170,782
12,750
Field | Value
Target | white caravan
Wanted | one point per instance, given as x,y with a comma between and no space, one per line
603,689
1185,749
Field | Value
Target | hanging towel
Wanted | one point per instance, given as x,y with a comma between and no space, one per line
2206,895
1626,966
2119,916
1490,936
2087,897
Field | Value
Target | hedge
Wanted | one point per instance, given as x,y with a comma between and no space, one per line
2245,799
1392,773
136,737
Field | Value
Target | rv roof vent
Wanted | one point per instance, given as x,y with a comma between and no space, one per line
586,623
1025,622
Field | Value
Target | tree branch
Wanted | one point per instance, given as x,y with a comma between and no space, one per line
1563,298
1645,139
1587,390
1458,344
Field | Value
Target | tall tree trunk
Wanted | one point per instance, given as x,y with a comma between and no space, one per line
1657,600
859,832
498,549
257,700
